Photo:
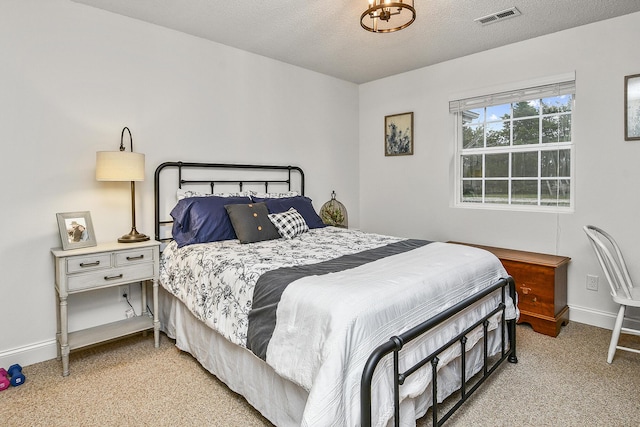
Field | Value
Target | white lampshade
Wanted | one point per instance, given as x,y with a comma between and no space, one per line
119,166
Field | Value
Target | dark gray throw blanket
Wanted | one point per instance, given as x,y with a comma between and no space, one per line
271,285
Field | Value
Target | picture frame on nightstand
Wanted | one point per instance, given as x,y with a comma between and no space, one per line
76,230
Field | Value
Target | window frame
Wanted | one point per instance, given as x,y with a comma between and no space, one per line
564,87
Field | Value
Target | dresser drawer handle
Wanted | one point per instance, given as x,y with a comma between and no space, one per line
525,291
133,258
119,276
89,264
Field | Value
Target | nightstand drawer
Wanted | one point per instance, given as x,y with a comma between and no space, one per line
134,257
88,263
110,277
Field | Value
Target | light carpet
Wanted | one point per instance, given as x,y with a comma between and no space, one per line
563,381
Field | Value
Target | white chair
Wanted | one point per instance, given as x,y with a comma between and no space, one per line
622,289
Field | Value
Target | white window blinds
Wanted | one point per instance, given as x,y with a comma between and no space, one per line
536,92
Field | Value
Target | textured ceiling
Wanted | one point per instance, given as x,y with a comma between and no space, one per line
325,35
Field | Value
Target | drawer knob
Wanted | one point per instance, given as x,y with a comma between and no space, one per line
119,276
89,264
133,258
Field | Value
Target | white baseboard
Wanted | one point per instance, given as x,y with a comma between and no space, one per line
46,350
601,319
30,354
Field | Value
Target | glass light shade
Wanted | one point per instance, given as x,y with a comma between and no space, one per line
119,166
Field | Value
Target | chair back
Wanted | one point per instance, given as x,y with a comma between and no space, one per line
611,260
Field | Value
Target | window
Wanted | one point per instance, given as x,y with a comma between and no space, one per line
515,148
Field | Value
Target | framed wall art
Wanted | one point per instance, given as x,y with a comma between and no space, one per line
632,107
398,135
76,230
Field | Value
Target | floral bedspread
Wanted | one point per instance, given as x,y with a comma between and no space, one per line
216,280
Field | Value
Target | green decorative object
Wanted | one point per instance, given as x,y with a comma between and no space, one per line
334,213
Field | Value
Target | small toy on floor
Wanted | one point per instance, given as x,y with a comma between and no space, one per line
4,379
15,374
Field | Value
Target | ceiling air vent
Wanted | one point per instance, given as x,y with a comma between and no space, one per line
498,16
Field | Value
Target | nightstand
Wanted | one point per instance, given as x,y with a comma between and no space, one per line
103,266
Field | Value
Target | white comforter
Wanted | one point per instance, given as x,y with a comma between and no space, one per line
323,342
328,325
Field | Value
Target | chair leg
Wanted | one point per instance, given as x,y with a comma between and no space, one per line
616,333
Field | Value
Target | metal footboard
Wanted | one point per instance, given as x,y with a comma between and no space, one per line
396,343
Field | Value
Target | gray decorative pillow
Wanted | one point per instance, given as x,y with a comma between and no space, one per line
290,223
251,222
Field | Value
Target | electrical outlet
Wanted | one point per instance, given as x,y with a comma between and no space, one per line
123,289
592,282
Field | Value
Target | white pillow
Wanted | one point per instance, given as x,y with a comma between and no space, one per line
274,195
289,224
184,194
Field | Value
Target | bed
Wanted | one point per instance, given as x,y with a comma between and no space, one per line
318,325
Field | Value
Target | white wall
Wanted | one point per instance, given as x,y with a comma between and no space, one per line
410,195
72,76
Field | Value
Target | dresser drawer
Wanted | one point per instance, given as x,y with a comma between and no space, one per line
535,287
134,257
99,279
88,263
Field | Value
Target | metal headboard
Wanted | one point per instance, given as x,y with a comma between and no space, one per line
186,176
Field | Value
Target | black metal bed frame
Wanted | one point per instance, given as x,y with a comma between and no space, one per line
395,343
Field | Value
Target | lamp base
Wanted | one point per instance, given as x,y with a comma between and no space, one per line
133,237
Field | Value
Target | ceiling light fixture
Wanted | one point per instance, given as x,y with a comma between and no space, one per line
386,16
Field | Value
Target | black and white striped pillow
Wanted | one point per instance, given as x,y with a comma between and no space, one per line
289,224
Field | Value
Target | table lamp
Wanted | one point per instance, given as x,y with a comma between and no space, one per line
123,166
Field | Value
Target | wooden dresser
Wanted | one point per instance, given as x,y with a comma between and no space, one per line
541,283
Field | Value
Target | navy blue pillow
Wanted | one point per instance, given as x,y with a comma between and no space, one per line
203,219
300,203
